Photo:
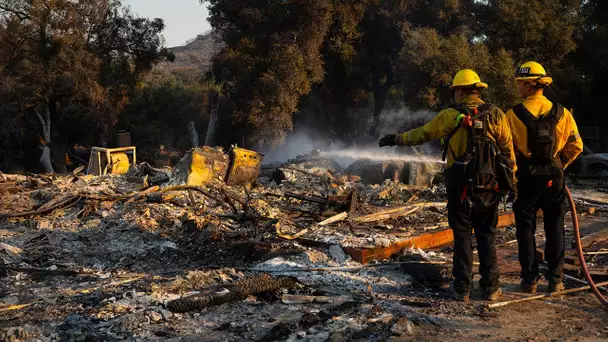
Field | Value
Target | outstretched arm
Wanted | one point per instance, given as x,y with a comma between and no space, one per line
434,129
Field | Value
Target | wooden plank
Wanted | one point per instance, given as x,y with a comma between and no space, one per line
425,241
599,274
395,212
596,237
430,240
336,218
592,196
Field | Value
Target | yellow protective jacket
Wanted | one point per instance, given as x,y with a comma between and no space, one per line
443,124
568,143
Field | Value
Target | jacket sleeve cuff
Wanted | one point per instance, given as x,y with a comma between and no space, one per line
400,139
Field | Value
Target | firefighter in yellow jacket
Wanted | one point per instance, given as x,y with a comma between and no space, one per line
546,141
480,166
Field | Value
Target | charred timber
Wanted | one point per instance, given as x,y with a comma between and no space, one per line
236,291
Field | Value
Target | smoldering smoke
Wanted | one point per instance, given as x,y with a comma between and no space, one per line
303,141
374,155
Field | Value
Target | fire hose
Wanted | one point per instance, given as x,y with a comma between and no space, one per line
579,250
581,257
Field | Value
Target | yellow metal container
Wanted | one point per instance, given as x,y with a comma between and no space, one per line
202,165
120,163
111,160
244,166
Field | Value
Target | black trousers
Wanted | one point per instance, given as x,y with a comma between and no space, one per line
533,197
463,222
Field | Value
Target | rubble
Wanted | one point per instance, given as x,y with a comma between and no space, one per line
338,254
143,255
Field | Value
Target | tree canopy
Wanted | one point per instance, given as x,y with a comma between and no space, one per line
76,72
67,68
376,54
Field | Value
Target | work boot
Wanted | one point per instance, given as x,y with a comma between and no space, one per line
492,295
460,295
556,286
528,286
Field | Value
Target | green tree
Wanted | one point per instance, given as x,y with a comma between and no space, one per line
270,60
128,47
159,114
54,59
363,62
539,30
431,61
47,66
336,108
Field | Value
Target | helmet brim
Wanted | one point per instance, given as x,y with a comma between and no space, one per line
476,85
545,80
528,78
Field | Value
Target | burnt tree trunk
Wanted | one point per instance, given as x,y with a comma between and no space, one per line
213,119
380,96
382,81
45,122
193,135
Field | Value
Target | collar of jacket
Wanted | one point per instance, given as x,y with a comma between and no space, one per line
536,97
472,101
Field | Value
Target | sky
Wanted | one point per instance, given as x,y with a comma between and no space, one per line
184,19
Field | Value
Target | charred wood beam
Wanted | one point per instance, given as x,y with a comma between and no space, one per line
235,292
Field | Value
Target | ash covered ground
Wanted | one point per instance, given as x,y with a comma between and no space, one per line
101,258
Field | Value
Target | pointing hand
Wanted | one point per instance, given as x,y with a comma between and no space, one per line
388,140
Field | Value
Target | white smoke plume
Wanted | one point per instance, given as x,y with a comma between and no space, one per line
396,120
295,144
399,120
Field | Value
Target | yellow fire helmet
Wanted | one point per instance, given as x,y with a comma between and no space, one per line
534,73
467,78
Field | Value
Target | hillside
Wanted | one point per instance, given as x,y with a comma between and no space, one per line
197,52
191,59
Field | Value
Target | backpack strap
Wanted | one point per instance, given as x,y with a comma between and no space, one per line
483,115
557,112
485,108
460,108
545,124
523,114
483,111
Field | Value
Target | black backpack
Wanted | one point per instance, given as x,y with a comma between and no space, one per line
482,175
541,167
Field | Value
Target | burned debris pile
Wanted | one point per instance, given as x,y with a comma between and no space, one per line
208,196
198,249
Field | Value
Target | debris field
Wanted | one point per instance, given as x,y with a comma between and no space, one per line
144,256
